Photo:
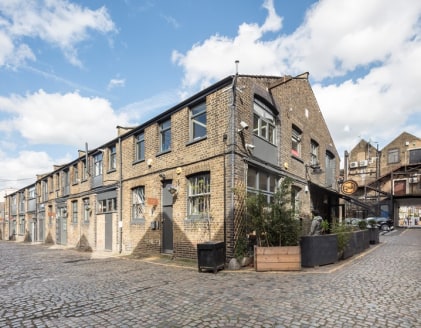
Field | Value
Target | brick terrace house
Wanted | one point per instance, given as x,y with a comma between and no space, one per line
389,179
180,178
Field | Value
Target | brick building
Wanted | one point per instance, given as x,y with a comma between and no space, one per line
180,178
389,179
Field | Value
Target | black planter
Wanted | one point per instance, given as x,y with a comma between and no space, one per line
319,250
374,235
211,256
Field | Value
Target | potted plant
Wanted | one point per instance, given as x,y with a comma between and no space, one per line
276,230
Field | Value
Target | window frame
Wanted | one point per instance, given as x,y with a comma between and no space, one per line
75,211
98,164
195,121
165,136
199,196
138,204
140,147
296,136
264,122
112,158
314,152
393,156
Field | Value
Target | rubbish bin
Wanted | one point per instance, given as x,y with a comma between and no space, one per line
211,256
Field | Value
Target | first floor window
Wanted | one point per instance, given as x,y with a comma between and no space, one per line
165,135
198,121
393,156
138,203
199,195
296,142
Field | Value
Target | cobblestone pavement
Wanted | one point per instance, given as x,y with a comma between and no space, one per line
45,287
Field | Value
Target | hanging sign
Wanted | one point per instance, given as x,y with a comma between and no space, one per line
349,187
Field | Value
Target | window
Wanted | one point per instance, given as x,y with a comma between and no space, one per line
138,203
44,190
314,153
296,142
330,169
199,195
86,210
415,156
198,121
140,147
98,164
31,193
261,182
74,211
112,158
264,122
65,182
107,205
84,170
21,202
165,136
75,174
21,224
393,156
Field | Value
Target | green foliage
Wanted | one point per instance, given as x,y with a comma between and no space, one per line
274,224
343,232
324,226
362,225
241,249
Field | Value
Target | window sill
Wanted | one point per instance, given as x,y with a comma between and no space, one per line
196,140
163,152
138,221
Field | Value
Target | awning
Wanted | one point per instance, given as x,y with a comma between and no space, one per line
332,192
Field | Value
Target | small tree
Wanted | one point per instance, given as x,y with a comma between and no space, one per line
274,223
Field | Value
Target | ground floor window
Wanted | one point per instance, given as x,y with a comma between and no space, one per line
263,182
199,194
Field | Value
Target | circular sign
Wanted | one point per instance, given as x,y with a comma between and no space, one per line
349,187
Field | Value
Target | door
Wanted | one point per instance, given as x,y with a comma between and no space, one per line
167,219
109,231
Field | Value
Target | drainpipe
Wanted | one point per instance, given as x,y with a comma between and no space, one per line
120,216
233,143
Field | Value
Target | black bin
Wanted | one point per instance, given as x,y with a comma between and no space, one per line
211,256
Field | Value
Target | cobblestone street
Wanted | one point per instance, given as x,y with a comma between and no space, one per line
45,286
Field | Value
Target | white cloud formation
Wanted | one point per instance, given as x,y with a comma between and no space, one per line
68,119
57,22
361,56
116,83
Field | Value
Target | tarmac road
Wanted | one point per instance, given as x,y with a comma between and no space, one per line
43,286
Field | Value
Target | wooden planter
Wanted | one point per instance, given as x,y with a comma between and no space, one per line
279,258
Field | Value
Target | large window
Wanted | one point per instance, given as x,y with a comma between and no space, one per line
296,141
199,193
21,224
198,121
140,147
165,136
314,153
259,181
264,122
138,203
393,156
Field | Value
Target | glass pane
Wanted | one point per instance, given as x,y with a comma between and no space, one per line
251,178
263,181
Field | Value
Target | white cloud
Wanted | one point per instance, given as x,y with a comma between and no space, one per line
116,83
361,55
69,119
58,22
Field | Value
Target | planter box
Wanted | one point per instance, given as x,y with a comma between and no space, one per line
319,250
279,258
374,235
211,256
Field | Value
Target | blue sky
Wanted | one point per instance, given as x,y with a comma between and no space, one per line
71,71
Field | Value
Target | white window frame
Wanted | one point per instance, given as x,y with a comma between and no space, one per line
197,116
199,196
264,122
140,147
138,203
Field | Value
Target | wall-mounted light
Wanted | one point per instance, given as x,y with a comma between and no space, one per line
162,176
149,162
316,168
306,189
250,146
172,189
244,126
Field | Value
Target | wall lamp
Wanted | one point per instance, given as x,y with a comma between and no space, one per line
250,146
244,126
316,168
